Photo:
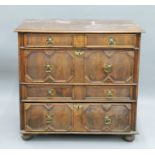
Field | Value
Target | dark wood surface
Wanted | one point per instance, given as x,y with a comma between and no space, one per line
79,26
74,82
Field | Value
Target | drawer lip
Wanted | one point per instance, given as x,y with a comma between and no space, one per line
80,84
78,101
82,132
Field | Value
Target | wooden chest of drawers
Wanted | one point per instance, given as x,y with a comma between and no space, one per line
78,77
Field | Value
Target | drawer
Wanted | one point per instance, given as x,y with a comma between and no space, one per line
111,40
109,66
110,93
48,40
46,92
77,117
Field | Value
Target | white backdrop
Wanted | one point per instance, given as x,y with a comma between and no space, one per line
12,16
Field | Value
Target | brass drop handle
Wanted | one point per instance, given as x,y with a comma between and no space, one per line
109,93
48,68
77,106
49,119
111,41
107,120
79,52
49,41
51,92
107,68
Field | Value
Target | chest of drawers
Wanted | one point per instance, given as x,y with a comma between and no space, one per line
78,77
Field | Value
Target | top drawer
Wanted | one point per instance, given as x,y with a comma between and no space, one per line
80,40
47,40
111,40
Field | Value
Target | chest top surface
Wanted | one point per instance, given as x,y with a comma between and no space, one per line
79,26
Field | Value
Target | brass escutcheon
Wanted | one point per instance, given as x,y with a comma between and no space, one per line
77,106
79,52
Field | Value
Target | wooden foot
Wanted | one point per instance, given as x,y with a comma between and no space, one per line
129,138
27,136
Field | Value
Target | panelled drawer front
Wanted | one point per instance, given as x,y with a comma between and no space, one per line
111,40
48,66
46,92
73,117
48,117
111,117
48,40
109,93
109,66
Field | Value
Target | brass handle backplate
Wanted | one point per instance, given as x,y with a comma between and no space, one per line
107,120
79,52
109,93
111,41
49,119
107,68
51,92
49,41
48,68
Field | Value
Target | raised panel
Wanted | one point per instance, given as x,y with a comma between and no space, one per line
49,66
112,117
109,66
48,117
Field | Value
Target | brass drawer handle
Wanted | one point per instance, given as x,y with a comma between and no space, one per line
49,119
109,93
107,68
107,120
49,41
111,41
48,68
77,106
79,52
51,92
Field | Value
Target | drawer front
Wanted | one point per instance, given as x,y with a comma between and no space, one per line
48,66
111,117
48,40
109,93
109,66
77,117
46,92
48,117
111,40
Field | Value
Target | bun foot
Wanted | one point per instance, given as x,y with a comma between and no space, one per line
27,136
129,138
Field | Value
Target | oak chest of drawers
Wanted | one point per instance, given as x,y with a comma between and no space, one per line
78,77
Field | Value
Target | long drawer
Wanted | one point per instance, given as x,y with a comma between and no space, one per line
73,117
69,66
49,92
